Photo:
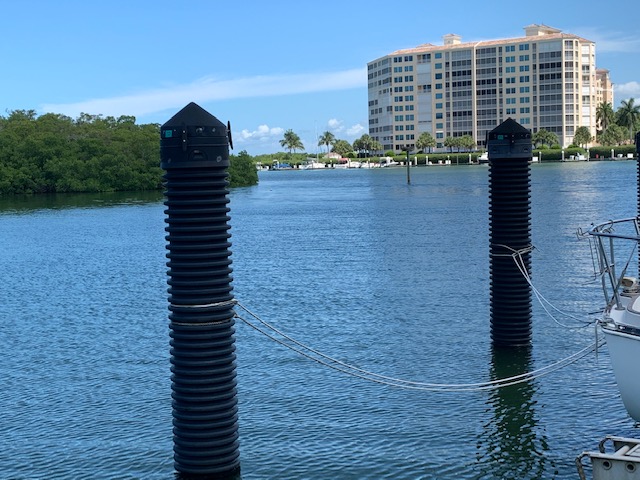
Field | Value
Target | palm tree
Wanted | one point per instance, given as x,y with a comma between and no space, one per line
628,115
605,115
291,141
582,136
327,139
426,140
544,137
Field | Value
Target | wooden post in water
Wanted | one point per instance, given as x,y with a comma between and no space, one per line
509,147
195,156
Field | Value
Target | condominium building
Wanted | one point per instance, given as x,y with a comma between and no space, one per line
546,79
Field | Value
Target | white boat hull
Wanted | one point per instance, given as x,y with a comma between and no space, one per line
624,349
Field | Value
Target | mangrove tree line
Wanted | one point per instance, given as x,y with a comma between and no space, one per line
91,153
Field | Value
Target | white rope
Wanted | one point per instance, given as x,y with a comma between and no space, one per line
519,261
343,367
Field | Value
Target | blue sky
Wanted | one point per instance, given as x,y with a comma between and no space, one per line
264,66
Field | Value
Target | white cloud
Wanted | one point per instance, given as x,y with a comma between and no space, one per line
262,133
335,125
627,90
356,130
611,41
211,89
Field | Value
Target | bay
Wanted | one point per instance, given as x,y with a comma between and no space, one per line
391,277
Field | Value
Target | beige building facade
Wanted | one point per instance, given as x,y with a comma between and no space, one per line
546,79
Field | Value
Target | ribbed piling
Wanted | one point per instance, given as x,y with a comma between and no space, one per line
195,157
509,148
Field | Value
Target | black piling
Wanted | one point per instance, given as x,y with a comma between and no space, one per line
195,157
509,147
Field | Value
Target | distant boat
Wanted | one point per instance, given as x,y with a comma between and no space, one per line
618,241
387,162
484,158
312,165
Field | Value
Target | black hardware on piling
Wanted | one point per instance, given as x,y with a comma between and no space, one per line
509,147
195,156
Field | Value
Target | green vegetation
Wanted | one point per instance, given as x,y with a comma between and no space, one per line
242,170
291,141
53,153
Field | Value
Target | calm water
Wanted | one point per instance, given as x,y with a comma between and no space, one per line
391,277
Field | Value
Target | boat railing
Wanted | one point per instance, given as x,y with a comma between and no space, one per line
608,240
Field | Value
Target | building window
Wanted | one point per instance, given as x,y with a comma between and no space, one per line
409,118
438,55
439,105
438,86
523,46
399,118
439,115
408,68
439,125
438,76
523,90
524,58
510,59
439,135
398,108
524,100
438,66
438,96
524,68
525,121
399,137
510,70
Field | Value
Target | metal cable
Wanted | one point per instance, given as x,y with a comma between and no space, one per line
348,369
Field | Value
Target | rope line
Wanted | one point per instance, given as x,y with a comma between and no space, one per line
354,371
542,300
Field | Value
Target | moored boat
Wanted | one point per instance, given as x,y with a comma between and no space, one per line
616,248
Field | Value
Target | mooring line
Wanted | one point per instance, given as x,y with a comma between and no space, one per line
542,300
348,369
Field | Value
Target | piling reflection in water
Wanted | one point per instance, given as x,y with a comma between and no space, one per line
513,443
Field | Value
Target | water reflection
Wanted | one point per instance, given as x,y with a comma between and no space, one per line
513,446
54,201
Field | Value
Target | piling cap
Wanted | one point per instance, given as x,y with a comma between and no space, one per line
509,140
194,138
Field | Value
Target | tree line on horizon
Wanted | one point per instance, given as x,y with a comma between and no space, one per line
613,128
53,153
